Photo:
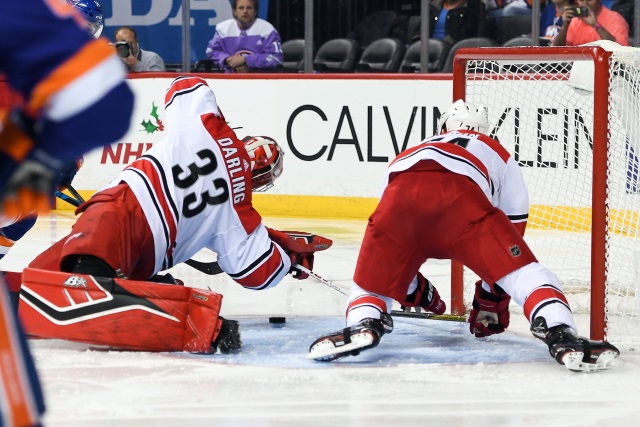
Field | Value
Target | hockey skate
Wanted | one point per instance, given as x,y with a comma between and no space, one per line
352,340
576,353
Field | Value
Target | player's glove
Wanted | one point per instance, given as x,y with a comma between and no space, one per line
28,175
490,313
425,296
65,176
300,247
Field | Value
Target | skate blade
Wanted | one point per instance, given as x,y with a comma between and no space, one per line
327,351
606,360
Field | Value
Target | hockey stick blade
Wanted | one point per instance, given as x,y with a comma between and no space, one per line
430,316
209,268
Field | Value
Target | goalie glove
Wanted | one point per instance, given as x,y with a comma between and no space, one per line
300,247
490,313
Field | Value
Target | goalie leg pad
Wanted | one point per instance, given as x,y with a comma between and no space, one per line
118,313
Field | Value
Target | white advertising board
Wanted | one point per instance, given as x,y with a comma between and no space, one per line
338,135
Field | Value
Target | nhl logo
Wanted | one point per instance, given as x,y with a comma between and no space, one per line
515,250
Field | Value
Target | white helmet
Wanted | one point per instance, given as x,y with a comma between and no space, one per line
266,161
464,116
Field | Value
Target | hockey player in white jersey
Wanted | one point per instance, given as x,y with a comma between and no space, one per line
191,190
458,195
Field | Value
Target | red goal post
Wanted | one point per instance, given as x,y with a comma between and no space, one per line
571,116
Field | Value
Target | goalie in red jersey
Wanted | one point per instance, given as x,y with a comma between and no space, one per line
191,190
458,195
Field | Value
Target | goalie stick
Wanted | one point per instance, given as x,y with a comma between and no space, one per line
209,268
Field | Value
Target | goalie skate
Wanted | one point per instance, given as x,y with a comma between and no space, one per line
350,341
577,354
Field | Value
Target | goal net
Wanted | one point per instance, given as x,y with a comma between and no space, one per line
571,118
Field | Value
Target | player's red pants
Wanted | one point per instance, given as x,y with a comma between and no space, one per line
430,212
113,228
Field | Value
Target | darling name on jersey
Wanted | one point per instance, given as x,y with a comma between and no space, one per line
234,168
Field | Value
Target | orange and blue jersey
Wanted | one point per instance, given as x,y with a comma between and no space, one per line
75,98
72,84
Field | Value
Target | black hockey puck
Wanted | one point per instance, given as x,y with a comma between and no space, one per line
277,320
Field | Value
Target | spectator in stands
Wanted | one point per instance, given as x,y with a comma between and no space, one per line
499,8
551,19
624,8
245,43
135,59
600,23
454,20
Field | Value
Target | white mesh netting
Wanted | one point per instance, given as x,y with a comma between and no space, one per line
543,112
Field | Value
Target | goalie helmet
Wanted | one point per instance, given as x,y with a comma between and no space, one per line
92,13
266,161
464,116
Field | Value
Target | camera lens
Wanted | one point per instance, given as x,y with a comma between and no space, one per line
122,49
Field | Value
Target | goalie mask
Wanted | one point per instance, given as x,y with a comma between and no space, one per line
92,13
463,116
266,161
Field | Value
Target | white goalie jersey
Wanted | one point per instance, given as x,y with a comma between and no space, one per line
194,187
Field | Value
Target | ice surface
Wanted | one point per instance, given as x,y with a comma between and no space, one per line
425,373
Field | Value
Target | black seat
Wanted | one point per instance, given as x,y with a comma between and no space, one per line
382,56
514,26
413,29
471,42
436,50
173,67
207,66
293,52
337,56
518,41
373,27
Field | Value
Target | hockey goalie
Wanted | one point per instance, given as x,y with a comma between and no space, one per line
191,190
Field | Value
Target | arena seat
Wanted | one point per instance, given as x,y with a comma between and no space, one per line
470,42
293,52
383,55
337,56
436,50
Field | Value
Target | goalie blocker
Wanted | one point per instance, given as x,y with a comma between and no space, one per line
124,314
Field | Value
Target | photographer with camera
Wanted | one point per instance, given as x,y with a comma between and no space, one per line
135,59
589,21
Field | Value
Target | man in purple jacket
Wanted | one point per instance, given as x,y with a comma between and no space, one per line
245,43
